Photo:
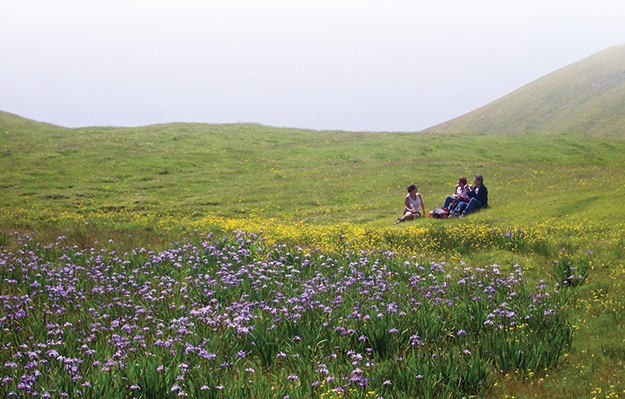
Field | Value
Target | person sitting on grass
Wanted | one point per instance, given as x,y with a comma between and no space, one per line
460,195
412,203
478,195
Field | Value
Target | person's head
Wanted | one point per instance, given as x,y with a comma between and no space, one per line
478,180
412,187
462,181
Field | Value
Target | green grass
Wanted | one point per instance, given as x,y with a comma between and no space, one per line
566,187
298,175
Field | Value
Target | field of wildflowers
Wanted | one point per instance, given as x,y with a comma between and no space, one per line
310,311
237,317
116,279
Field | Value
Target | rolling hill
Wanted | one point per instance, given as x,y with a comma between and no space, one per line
586,98
99,201
246,170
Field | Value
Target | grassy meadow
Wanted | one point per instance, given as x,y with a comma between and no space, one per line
125,262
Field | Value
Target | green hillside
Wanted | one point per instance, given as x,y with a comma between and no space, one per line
244,170
586,98
72,199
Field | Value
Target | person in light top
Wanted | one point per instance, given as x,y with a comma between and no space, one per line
478,198
413,205
460,194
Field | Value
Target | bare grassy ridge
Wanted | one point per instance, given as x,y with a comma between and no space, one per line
140,186
584,98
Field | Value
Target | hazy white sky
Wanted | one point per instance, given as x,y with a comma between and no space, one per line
389,65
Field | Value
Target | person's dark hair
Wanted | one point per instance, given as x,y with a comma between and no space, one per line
479,178
411,188
462,180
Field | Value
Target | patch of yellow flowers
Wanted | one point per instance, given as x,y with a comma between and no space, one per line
407,239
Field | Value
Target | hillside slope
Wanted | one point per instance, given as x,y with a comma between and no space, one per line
317,177
587,98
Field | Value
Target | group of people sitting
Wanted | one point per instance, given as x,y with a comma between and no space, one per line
466,198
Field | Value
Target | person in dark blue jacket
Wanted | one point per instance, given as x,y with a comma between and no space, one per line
478,195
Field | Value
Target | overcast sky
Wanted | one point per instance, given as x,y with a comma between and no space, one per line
347,65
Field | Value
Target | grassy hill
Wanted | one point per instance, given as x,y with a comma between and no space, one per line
122,190
585,98
318,177
554,196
